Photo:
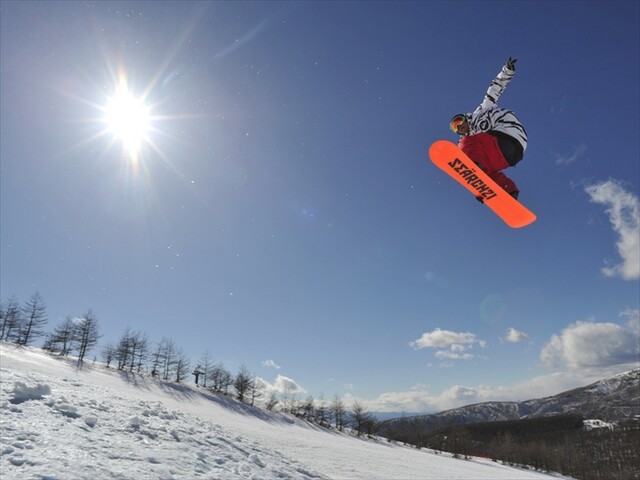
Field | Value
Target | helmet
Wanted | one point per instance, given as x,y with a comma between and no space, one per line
457,120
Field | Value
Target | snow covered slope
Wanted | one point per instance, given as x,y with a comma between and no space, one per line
58,422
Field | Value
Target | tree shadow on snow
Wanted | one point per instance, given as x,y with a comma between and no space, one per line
243,409
134,379
186,392
183,392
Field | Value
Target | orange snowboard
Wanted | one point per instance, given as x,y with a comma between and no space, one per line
449,158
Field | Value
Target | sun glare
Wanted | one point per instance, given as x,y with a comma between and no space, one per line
128,119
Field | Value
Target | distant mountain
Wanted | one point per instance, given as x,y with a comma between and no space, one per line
611,400
382,416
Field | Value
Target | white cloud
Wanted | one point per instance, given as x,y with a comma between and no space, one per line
634,320
453,355
455,352
592,345
460,395
450,345
623,209
288,385
282,385
578,152
442,339
516,336
270,364
412,401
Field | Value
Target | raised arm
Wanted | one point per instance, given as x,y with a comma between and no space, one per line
499,84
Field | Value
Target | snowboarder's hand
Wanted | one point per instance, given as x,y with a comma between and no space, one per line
511,64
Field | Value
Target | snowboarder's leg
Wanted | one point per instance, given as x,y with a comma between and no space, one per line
510,148
484,150
506,183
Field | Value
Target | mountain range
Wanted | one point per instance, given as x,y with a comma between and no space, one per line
611,400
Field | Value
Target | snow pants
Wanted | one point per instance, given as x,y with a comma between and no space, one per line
485,152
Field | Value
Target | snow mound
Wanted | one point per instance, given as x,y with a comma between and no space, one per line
23,393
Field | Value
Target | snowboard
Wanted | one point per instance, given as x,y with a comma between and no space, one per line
453,161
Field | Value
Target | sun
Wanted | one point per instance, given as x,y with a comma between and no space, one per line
128,119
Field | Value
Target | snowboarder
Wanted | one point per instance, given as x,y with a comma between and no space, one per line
493,137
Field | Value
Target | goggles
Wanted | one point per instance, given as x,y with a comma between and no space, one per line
456,122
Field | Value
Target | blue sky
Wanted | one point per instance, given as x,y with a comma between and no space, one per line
282,212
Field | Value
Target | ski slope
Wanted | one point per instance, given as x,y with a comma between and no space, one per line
58,422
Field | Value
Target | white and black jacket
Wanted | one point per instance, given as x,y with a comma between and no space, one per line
489,118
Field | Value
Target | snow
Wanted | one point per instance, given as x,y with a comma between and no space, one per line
595,423
60,422
22,393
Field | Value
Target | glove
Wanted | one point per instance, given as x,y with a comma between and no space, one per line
511,64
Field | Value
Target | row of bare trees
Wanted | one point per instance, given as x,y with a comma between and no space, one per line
135,353
23,324
77,335
216,378
334,413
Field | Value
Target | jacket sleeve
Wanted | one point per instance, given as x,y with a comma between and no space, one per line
496,88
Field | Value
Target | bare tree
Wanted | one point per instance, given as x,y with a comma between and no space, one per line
242,383
205,366
182,366
220,379
34,318
87,334
156,360
62,339
361,419
109,352
123,350
11,320
339,412
164,359
321,416
308,409
272,402
257,389
167,360
330,416
132,350
142,353
289,398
